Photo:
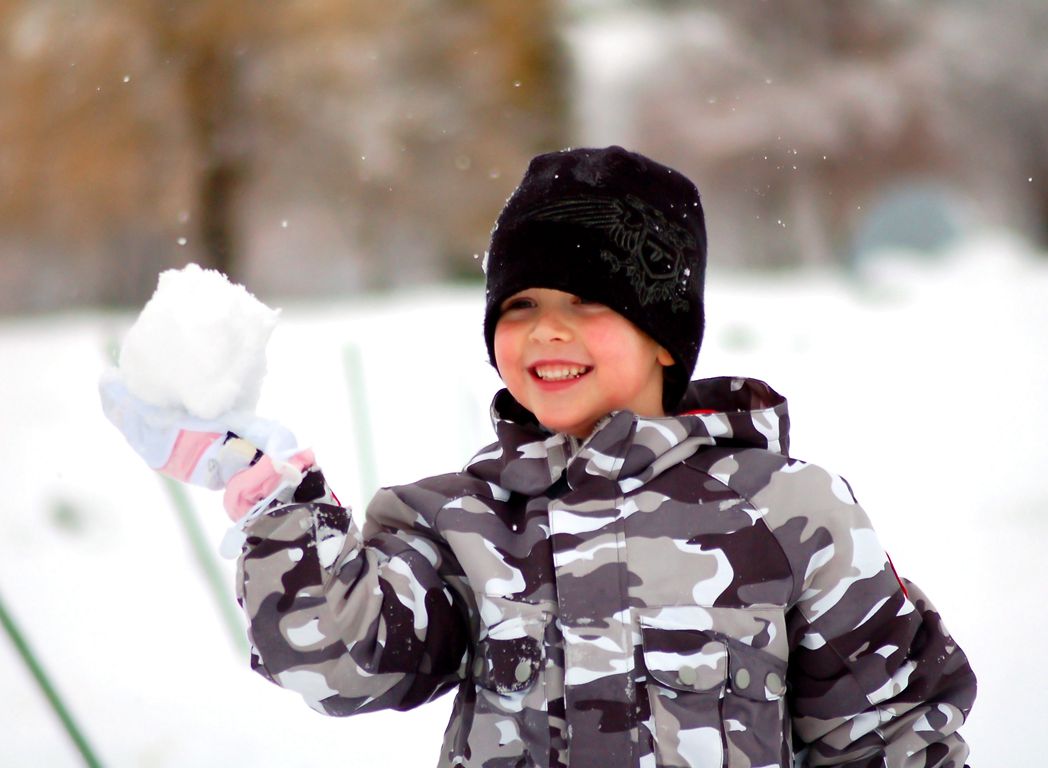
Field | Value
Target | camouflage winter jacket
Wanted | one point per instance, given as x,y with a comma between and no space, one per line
670,592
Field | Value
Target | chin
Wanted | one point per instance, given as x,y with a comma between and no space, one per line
568,428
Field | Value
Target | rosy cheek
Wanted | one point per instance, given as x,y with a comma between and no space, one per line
505,347
596,327
607,337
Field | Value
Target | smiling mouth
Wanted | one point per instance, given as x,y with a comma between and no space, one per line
559,372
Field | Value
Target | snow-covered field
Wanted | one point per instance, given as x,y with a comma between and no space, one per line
923,383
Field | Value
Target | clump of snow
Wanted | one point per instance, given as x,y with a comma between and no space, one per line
199,343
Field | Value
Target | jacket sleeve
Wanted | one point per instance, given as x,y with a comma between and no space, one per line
875,679
352,622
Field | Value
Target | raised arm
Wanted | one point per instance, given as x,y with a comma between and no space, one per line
354,623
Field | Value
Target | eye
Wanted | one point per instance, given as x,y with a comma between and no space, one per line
517,302
589,303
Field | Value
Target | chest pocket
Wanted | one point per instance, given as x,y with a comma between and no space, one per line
507,666
508,669
716,681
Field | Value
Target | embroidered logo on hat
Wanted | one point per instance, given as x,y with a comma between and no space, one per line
651,248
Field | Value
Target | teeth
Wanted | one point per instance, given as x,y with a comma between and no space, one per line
560,372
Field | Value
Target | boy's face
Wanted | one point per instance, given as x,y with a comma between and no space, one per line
571,362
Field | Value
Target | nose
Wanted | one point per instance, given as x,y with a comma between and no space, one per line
550,325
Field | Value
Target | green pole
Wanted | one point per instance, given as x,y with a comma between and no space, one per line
49,691
362,421
208,563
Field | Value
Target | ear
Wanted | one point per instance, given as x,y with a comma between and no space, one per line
664,358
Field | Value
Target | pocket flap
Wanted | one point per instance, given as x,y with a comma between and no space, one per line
507,666
685,659
702,648
508,656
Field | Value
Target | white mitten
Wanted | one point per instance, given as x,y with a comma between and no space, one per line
190,373
252,458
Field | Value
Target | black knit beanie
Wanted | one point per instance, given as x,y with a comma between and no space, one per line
609,226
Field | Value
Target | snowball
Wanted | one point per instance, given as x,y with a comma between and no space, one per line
199,343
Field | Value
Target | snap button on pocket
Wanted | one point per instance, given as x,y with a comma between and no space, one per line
776,687
742,679
688,675
523,671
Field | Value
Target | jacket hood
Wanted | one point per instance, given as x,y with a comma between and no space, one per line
626,449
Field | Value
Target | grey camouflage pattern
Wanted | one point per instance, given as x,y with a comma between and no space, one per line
670,592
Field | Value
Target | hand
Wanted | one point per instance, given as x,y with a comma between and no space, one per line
252,458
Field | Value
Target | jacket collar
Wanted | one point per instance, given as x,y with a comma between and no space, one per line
626,449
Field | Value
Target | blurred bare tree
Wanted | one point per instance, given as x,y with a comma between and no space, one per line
93,167
306,146
797,117
315,146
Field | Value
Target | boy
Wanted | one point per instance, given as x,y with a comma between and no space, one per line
635,573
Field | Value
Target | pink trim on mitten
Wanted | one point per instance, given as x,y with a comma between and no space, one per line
186,453
250,486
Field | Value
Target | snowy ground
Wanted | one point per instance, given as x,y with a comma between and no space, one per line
922,384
